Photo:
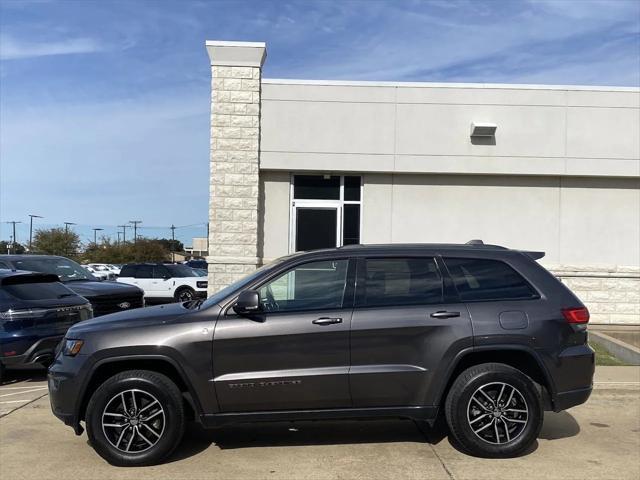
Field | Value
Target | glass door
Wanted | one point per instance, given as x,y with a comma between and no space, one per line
325,211
315,227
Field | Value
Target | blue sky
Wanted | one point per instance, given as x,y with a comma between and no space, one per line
104,105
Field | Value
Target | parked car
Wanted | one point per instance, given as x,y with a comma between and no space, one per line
101,274
196,263
164,282
480,332
35,312
105,297
113,270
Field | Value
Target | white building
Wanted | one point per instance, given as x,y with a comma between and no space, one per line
306,164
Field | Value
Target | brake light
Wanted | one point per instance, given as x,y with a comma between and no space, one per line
576,315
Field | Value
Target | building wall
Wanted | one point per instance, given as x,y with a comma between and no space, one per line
377,127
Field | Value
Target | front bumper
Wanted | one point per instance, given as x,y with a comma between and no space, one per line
64,381
566,400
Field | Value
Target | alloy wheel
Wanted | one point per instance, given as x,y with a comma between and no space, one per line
133,421
497,413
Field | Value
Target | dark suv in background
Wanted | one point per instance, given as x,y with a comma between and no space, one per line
35,312
105,297
481,333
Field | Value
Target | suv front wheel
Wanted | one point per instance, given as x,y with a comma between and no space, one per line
135,418
494,410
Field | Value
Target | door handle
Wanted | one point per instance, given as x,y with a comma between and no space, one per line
443,314
326,321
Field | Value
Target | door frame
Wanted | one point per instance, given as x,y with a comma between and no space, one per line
310,203
316,205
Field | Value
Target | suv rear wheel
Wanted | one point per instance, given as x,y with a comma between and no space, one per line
135,418
185,294
494,410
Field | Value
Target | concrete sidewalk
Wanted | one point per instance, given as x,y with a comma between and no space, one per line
617,378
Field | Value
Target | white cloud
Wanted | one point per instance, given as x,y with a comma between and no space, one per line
12,48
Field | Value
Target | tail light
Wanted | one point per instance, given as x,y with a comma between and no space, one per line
576,315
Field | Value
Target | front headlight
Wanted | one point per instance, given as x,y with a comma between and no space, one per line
72,347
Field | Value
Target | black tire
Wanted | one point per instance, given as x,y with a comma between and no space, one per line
503,423
184,294
148,386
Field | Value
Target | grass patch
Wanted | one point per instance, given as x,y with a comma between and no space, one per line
603,357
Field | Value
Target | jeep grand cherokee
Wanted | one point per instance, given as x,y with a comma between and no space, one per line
482,333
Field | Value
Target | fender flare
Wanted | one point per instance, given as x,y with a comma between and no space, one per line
447,378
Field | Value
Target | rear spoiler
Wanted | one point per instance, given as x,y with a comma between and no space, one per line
533,255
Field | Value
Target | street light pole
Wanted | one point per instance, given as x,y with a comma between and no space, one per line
66,226
31,217
135,229
95,235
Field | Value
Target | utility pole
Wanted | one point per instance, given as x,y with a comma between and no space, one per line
118,232
13,241
66,226
124,232
173,243
135,229
95,235
31,217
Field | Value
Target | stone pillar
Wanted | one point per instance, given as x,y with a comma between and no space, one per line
235,156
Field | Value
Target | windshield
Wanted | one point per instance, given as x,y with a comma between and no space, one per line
243,282
64,268
178,271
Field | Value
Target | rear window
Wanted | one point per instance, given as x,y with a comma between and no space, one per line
481,279
400,281
37,290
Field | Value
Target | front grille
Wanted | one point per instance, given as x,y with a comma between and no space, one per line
112,304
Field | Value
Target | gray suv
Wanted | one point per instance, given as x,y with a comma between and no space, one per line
479,333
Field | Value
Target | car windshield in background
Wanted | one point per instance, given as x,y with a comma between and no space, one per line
179,271
64,268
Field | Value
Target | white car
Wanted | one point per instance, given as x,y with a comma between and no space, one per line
165,282
105,267
99,274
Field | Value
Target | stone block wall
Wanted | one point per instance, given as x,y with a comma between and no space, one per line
612,294
234,166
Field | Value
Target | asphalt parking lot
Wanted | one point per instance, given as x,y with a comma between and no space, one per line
598,440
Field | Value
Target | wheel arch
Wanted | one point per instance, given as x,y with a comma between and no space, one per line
106,368
522,358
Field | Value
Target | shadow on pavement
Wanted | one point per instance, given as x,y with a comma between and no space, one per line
282,434
12,376
559,425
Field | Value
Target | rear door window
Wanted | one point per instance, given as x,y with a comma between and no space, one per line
399,281
129,271
144,271
482,279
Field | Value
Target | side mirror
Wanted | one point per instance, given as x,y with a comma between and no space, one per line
248,303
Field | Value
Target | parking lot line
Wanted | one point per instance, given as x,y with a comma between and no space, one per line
23,392
17,401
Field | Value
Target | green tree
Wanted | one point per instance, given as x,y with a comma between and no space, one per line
171,245
144,250
56,241
7,247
